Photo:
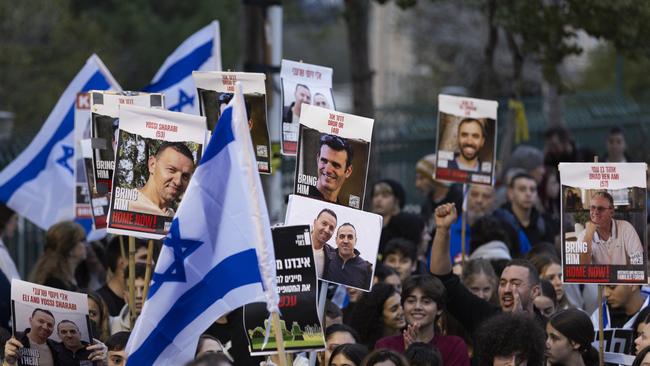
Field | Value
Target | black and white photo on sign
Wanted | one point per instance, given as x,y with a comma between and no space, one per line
345,241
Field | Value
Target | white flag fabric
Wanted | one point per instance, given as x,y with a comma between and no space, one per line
218,254
39,183
200,52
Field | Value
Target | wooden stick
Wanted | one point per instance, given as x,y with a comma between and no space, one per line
279,339
322,299
147,273
131,281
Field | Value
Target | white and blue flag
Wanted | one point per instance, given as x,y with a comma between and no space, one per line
218,254
200,52
39,183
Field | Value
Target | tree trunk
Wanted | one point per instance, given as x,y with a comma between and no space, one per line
509,128
487,78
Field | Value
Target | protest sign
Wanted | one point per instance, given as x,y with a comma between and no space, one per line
98,201
339,235
466,141
333,156
104,107
215,90
33,305
302,84
82,208
157,152
297,287
603,210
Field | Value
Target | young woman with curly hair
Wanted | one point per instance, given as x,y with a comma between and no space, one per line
379,314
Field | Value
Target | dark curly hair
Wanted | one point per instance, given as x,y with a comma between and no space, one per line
382,355
367,316
352,351
576,325
508,334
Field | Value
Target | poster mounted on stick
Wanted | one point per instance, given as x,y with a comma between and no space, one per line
604,223
345,241
82,193
216,89
466,141
104,106
297,287
302,84
61,312
157,152
333,156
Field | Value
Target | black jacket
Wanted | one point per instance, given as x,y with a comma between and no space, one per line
355,272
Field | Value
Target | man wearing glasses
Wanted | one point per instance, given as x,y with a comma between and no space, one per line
334,161
609,241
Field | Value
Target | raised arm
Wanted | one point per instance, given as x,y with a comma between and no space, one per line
445,216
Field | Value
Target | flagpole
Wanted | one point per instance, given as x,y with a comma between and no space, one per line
147,273
132,280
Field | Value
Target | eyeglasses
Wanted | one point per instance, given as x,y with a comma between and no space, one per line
598,208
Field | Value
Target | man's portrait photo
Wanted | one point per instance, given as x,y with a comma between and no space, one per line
609,240
155,173
291,111
345,241
334,168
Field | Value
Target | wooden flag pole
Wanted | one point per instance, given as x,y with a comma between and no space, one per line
601,332
147,273
279,339
131,281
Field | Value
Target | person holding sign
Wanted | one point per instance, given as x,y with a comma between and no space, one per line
606,240
346,266
33,347
170,170
334,162
471,138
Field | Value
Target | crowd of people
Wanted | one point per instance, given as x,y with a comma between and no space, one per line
503,303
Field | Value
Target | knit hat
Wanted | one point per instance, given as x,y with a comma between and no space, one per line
398,190
494,249
526,157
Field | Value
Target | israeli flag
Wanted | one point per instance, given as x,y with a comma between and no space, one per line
39,183
218,254
200,52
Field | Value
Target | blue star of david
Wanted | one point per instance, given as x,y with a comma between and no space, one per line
182,248
183,100
68,152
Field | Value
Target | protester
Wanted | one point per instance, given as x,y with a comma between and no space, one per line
493,240
641,330
518,285
513,339
122,322
569,336
479,277
333,314
209,344
549,268
616,147
384,357
8,269
546,303
559,147
117,263
336,335
98,314
400,255
211,359
90,273
532,227
350,354
65,248
424,301
386,274
116,345
422,354
378,314
624,303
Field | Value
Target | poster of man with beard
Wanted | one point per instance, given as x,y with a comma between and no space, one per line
466,142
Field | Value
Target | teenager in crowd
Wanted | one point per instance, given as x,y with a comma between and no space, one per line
385,357
379,314
349,354
569,334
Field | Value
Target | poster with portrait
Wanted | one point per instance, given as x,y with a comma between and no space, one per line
61,311
82,208
216,89
297,287
98,202
466,141
302,84
603,211
339,235
104,107
157,152
333,156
